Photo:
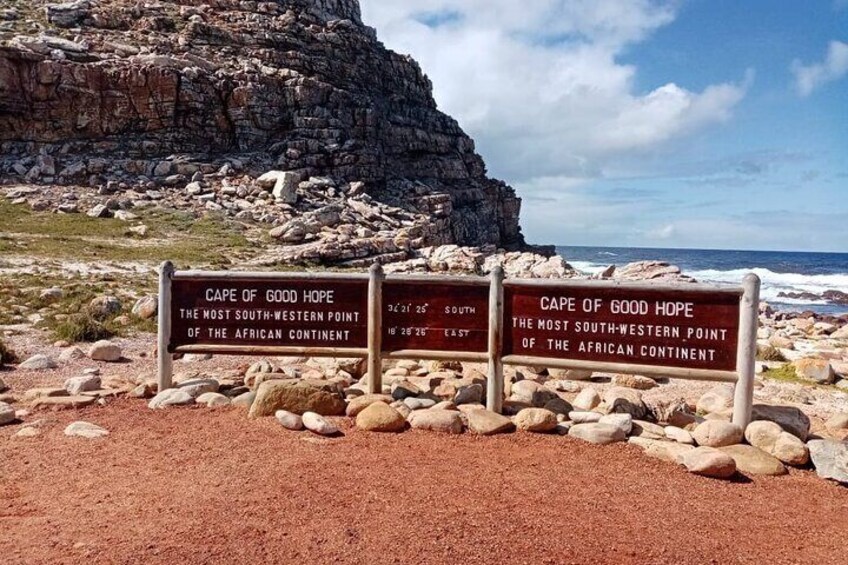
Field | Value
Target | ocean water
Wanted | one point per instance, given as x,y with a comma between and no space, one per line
781,272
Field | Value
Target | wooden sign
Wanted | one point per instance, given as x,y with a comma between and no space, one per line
688,329
435,316
269,312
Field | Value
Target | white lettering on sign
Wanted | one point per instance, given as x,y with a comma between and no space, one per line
221,295
673,309
558,303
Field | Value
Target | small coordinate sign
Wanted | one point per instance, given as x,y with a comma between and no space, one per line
435,316
694,330
264,312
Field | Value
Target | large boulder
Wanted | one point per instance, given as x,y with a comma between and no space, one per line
624,400
753,461
535,420
717,433
815,370
598,433
771,438
380,417
104,350
360,403
587,399
444,421
830,458
296,396
487,423
709,462
791,419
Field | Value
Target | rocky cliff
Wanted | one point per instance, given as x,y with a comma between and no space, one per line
154,94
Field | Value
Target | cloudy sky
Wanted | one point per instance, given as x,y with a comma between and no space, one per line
659,123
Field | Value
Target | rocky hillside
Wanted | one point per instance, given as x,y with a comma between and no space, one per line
192,102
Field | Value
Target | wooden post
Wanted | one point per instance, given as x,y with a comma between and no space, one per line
165,358
495,376
746,356
375,329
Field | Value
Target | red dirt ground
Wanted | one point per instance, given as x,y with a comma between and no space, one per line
200,486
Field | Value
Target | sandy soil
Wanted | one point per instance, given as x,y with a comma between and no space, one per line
199,486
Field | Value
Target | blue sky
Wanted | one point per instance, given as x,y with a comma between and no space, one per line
684,123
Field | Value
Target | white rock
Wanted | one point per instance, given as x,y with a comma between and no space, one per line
588,399
623,422
289,420
104,350
601,434
86,430
319,425
212,399
38,363
71,354
584,417
679,435
717,433
196,387
170,397
77,385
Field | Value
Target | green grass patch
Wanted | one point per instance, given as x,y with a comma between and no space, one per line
173,235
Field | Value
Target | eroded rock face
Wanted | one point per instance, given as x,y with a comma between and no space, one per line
301,86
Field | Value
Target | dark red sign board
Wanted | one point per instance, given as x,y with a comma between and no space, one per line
435,316
272,313
693,330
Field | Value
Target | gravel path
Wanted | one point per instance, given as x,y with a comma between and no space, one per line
200,486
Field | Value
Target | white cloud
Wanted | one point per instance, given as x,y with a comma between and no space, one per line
539,84
834,67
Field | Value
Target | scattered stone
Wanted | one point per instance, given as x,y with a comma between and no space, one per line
27,432
71,354
289,420
536,420
86,430
198,387
663,450
143,390
642,428
830,458
791,419
3,386
316,423
627,401
487,423
7,414
771,438
717,433
584,417
244,400
420,403
587,400
634,381
295,396
470,394
212,400
146,307
444,421
709,462
104,350
38,362
717,399
380,417
623,422
679,435
815,370
360,403
404,389
104,306
837,422
170,397
753,461
78,385
599,433
63,402
558,406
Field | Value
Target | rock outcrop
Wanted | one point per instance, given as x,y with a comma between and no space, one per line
93,91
